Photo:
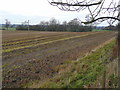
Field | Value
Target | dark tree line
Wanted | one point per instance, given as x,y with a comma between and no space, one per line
111,27
54,25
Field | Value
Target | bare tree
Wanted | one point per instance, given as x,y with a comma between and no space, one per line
75,21
98,11
64,22
7,23
26,23
42,23
53,21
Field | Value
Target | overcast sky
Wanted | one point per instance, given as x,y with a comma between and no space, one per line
18,11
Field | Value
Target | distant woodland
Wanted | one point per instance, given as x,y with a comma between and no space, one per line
54,25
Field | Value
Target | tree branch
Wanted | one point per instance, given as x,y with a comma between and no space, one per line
82,5
94,20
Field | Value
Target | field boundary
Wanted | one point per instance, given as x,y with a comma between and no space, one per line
98,47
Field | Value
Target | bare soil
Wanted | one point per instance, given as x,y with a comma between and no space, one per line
38,63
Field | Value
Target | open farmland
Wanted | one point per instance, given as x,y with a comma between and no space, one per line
31,56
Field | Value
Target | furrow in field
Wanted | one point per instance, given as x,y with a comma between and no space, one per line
74,42
27,38
43,43
36,40
18,36
13,36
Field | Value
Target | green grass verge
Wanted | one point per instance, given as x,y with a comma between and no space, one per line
10,28
78,74
94,30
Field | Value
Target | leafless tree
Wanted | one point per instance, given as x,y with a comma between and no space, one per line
7,23
98,11
26,23
53,21
75,21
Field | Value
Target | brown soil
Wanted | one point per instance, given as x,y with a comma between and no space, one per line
38,63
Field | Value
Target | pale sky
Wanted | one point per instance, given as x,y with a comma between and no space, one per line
18,11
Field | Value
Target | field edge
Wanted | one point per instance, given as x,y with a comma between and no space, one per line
80,73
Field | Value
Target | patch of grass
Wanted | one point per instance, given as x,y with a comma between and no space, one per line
29,84
78,74
94,30
114,79
5,65
9,29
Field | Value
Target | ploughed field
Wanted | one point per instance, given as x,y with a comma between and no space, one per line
31,56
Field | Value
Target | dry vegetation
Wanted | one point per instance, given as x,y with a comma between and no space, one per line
32,56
